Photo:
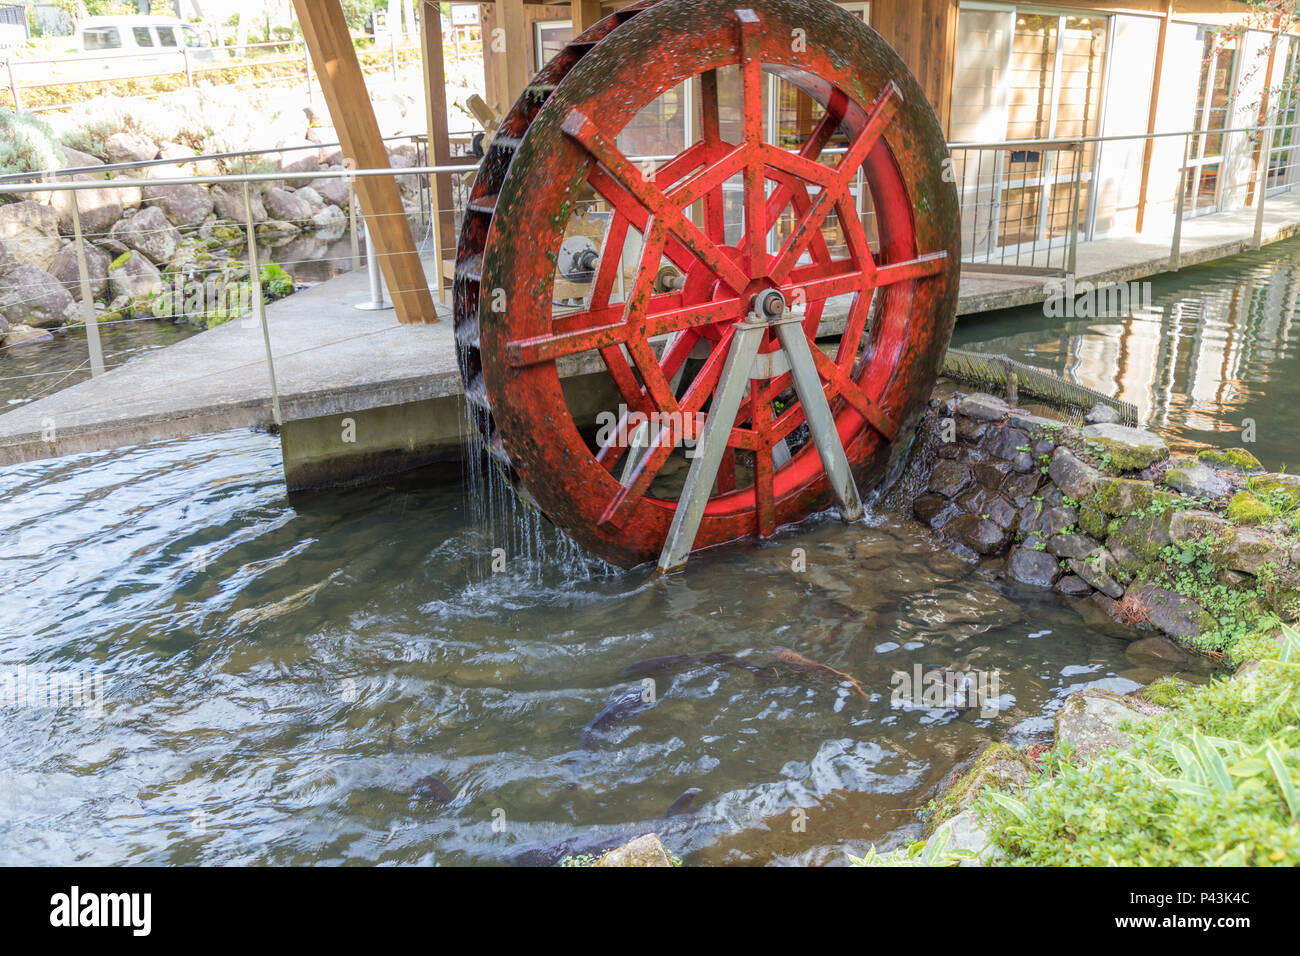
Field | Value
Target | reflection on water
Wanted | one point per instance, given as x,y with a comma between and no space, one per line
285,677
1218,347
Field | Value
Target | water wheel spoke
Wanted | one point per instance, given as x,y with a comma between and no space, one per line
611,262
930,264
751,71
626,205
878,118
582,129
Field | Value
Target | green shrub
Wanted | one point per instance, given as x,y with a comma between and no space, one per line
27,144
1215,782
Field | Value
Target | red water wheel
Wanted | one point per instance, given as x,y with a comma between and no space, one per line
705,206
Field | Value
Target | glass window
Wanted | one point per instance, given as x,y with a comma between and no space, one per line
549,38
192,36
143,36
102,38
166,36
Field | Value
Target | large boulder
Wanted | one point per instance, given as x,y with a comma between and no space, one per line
148,232
31,296
330,223
1090,721
76,159
100,209
68,271
228,202
184,205
299,160
1074,476
1130,449
285,206
129,148
332,190
1195,479
134,277
30,232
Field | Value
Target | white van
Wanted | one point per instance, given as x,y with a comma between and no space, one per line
140,44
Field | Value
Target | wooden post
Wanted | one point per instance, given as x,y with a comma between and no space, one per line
344,87
1148,148
439,151
506,45
585,13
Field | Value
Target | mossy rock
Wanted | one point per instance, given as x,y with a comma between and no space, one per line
1168,691
1231,459
1093,521
1128,449
1144,535
121,260
1124,496
1245,508
1000,767
1283,490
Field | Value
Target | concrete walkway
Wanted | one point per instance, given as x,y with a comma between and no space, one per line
332,359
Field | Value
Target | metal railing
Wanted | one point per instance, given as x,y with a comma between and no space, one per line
996,232
1027,204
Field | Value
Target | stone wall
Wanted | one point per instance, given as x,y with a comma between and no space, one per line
1103,514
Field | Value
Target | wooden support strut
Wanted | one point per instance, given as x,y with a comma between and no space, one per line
344,87
439,151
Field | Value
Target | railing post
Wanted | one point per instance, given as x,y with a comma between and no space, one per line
255,275
87,301
189,72
1176,248
13,85
1072,267
377,302
392,42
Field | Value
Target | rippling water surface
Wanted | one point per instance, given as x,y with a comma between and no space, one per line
1216,348
283,676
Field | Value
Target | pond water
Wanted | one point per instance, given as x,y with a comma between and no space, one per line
282,678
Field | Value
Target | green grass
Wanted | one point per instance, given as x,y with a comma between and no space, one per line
1214,782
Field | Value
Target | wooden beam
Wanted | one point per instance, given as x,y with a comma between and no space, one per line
1148,147
585,13
344,86
515,25
435,98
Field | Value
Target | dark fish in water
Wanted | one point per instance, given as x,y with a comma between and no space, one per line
622,708
600,840
432,788
659,665
685,803
429,787
792,661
